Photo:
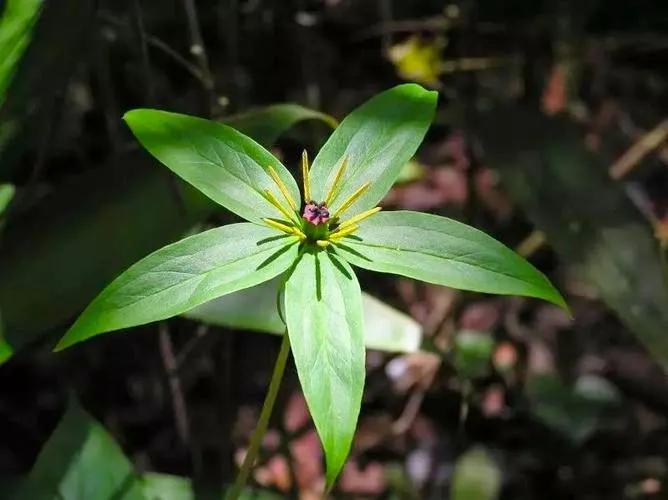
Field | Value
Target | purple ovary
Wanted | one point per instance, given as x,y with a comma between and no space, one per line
316,213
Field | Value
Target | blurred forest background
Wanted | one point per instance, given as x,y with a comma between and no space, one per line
551,135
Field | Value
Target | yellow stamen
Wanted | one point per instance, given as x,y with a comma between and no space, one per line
352,198
307,184
322,243
272,199
279,226
342,234
281,186
358,218
337,178
299,233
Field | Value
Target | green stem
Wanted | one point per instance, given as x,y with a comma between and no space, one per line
263,422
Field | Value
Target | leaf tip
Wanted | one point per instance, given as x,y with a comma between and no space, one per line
553,296
561,302
127,116
415,90
64,342
60,346
78,332
133,116
334,466
331,476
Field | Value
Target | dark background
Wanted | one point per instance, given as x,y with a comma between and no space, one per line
550,135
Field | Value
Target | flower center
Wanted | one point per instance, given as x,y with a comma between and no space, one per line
317,226
316,213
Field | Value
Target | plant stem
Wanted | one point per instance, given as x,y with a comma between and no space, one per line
263,422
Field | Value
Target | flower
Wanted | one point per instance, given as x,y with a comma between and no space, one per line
316,225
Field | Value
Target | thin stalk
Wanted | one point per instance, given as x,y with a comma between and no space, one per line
263,422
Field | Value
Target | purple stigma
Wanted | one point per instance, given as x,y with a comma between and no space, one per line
316,213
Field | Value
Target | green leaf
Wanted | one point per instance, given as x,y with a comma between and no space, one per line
185,274
472,353
81,461
411,172
575,411
323,310
476,476
6,349
262,123
76,240
158,486
444,252
227,166
16,24
6,195
166,487
43,59
385,328
251,309
378,138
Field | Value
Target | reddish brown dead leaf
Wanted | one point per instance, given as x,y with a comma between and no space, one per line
480,316
489,192
367,481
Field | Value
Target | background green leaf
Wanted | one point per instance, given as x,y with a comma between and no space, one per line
323,311
59,254
227,166
16,23
81,461
185,274
550,172
378,138
6,350
472,353
476,476
261,123
574,411
6,195
41,59
444,252
168,487
385,328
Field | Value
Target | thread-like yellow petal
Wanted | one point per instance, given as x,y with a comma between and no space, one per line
299,233
342,234
358,218
279,226
337,179
281,187
272,199
352,198
307,183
